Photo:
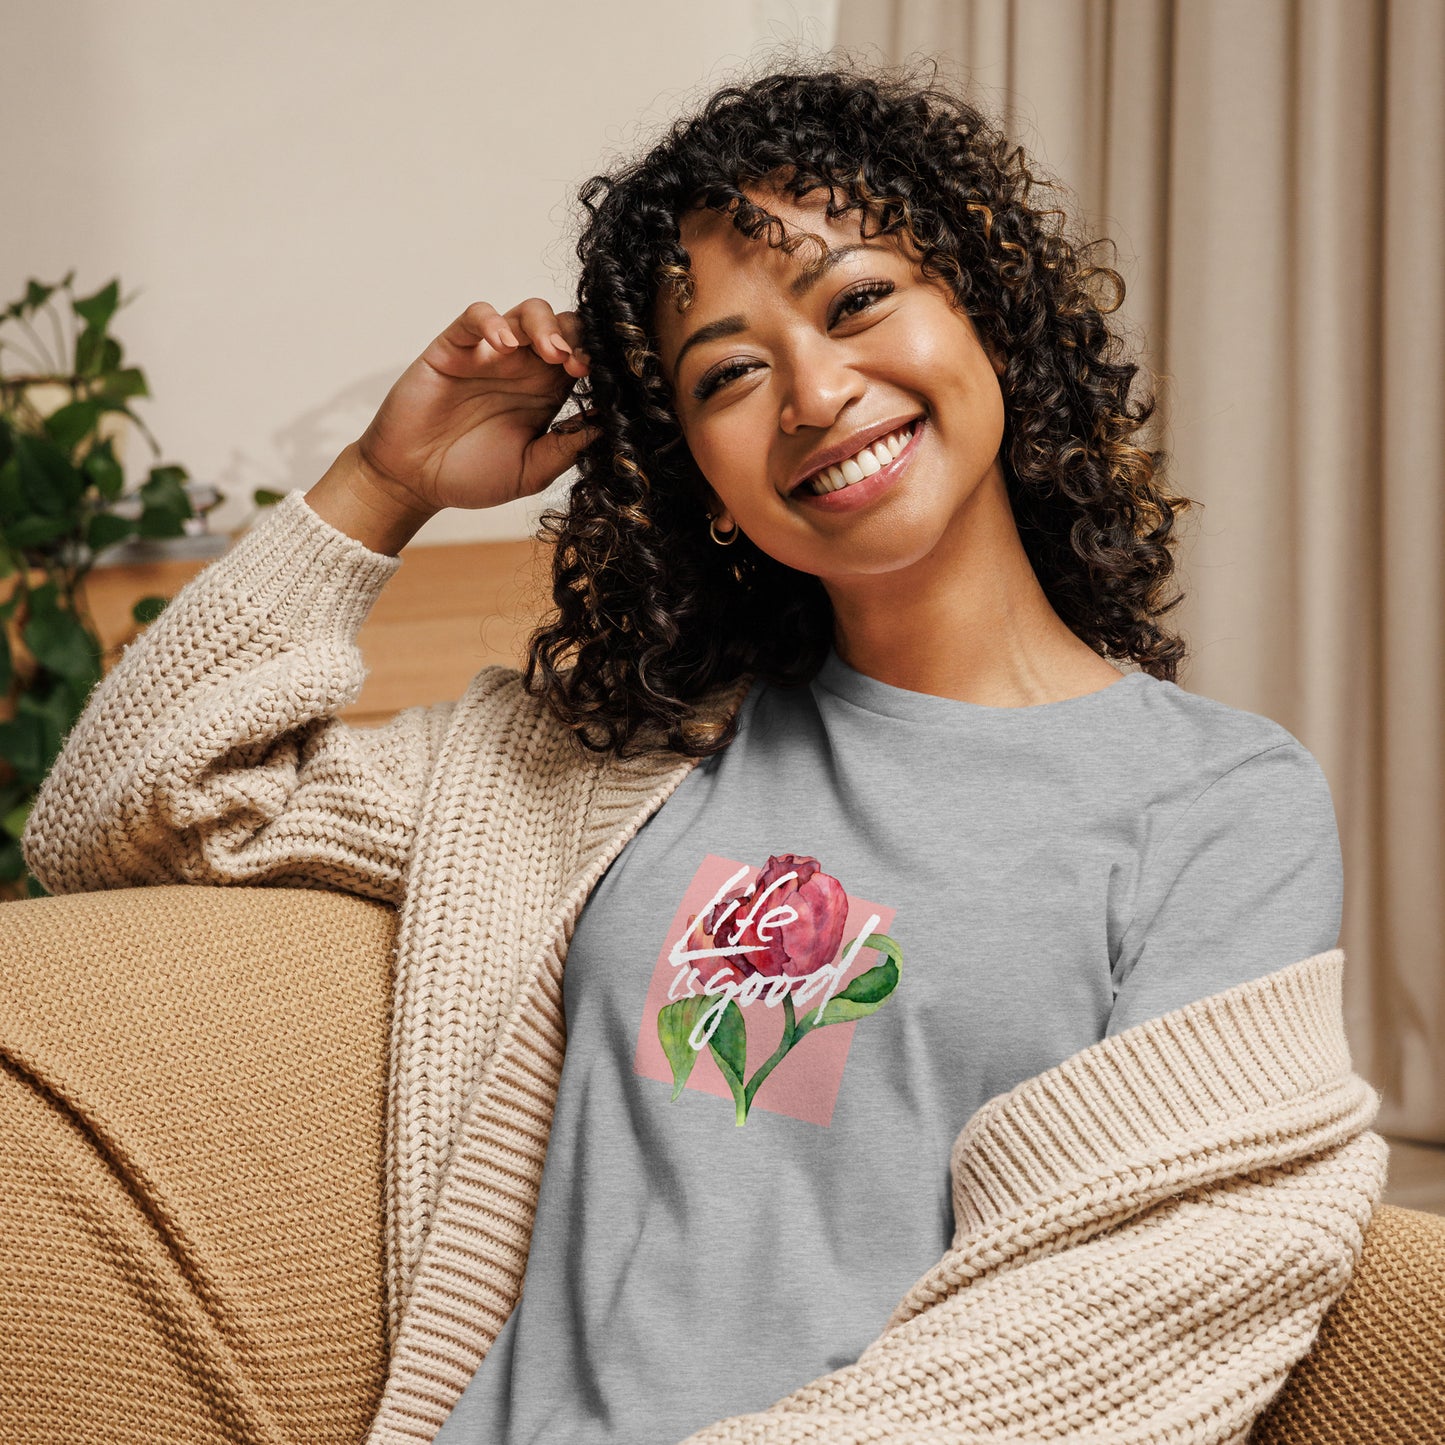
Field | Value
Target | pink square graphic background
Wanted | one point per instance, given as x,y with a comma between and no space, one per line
805,1084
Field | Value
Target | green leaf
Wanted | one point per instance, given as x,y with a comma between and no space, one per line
61,643
729,1043
148,609
165,483
12,494
14,821
105,529
675,1021
68,425
7,665
52,485
167,505
23,746
263,497
12,861
101,467
36,295
90,352
96,310
35,531
867,993
127,382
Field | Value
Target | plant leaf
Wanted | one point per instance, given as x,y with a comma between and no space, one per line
90,352
729,1044
148,609
12,494
102,468
105,529
97,309
868,992
51,484
60,642
675,1021
36,295
14,821
167,505
70,423
129,381
22,745
35,530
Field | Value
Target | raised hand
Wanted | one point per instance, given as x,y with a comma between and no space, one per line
469,422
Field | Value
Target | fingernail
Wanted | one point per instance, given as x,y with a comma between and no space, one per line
508,337
557,341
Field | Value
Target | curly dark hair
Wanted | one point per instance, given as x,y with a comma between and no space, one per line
649,612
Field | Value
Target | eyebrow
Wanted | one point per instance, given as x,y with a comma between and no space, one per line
799,287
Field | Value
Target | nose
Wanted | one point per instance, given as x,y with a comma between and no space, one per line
820,382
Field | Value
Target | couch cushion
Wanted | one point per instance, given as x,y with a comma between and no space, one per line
191,1150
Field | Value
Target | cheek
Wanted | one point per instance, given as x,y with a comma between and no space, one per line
728,453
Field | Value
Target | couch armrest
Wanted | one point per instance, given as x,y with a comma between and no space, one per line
192,1112
1376,1371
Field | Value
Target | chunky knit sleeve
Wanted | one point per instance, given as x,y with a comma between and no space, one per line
1148,1237
210,752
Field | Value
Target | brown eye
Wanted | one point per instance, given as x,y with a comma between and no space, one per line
868,292
715,379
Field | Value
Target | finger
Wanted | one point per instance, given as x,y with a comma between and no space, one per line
480,332
543,331
551,453
570,325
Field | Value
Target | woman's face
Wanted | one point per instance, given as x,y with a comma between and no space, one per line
773,371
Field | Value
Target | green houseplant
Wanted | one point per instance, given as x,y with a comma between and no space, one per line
64,402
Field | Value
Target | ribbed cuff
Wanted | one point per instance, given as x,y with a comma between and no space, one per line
318,577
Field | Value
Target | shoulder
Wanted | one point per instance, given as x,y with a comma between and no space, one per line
1205,749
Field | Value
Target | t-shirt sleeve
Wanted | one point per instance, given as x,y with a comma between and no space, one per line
1248,880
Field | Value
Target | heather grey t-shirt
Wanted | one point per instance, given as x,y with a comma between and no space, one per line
1033,879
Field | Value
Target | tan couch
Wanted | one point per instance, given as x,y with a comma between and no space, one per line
191,1127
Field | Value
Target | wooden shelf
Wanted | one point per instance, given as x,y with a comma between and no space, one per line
451,609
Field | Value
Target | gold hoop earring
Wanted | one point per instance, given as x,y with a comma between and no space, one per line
721,541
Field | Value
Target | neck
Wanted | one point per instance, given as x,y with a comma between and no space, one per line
968,620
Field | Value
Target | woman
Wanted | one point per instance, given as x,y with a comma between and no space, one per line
873,875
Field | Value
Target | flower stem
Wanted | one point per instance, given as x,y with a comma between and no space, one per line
790,1037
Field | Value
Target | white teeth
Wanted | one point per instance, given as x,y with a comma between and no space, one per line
871,459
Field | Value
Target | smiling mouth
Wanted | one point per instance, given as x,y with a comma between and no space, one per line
866,463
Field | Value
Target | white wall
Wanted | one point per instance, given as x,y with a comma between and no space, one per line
300,196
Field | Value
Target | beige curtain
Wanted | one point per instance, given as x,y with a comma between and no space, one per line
1274,174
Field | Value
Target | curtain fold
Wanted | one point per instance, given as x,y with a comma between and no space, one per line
1273,174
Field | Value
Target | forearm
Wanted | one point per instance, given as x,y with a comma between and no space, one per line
1196,1312
355,501
210,752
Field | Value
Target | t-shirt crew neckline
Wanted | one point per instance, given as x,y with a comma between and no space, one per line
837,677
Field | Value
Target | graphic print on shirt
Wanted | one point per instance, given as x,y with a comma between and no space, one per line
760,983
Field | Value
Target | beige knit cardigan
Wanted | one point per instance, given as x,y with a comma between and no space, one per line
1148,1234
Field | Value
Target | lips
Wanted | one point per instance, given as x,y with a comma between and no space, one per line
849,447
861,495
